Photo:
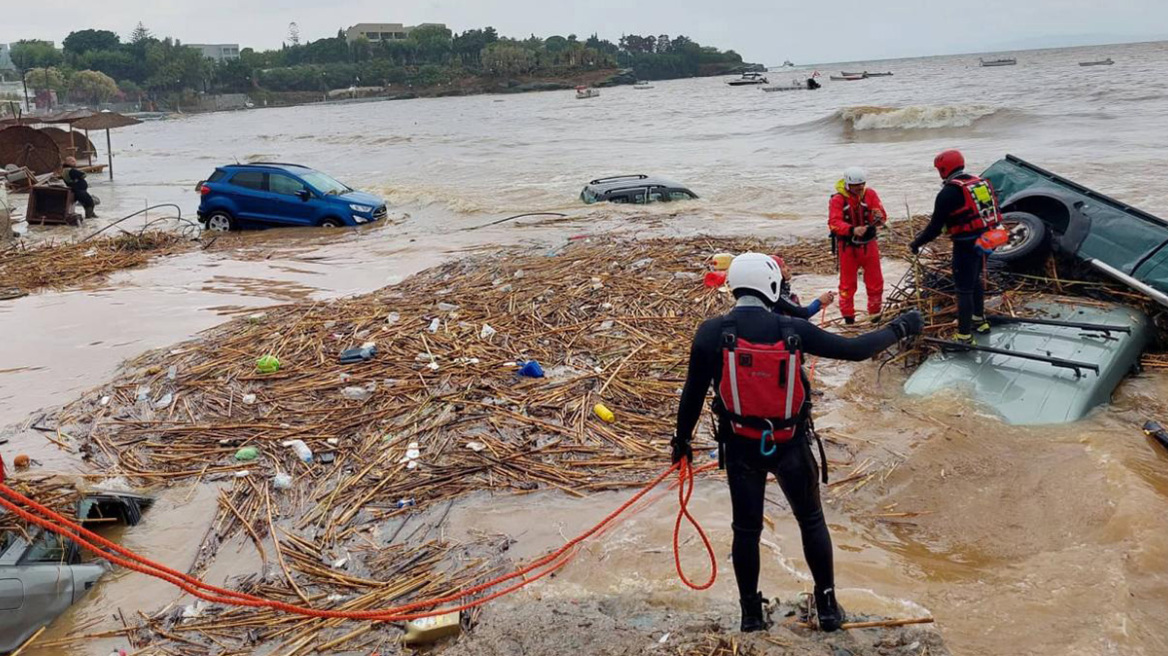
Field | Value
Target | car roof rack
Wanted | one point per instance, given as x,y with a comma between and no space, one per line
1061,363
299,166
635,176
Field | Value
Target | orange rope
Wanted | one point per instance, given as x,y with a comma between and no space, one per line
53,522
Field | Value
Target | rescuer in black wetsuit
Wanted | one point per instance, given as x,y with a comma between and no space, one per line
756,286
788,303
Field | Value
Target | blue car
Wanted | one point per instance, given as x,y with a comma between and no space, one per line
266,194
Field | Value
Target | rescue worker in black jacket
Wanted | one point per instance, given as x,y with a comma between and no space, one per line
753,358
75,179
966,209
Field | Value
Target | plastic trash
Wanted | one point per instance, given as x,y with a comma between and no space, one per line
721,261
406,503
164,402
604,413
530,369
392,318
487,332
249,399
247,454
257,317
476,446
105,401
243,473
328,457
301,449
356,393
433,629
641,263
447,307
143,393
715,279
282,481
435,324
268,364
172,372
360,354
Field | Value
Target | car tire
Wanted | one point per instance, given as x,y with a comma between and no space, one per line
331,223
1029,243
220,221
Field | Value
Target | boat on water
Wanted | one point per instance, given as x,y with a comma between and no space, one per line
997,62
796,85
583,92
748,79
864,74
848,78
1101,62
642,85
788,64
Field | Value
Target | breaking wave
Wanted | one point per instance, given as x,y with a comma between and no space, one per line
913,117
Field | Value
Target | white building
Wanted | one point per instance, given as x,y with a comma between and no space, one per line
6,58
217,51
384,31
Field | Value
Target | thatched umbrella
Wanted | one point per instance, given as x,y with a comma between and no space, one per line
28,147
63,139
105,121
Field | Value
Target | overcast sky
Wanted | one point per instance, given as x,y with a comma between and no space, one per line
765,31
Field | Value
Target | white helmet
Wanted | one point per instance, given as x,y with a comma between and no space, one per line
756,272
855,176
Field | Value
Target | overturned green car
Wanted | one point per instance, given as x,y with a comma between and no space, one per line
1046,212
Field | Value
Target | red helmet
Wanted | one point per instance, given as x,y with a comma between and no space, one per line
949,162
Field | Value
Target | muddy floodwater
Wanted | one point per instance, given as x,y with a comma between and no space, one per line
1043,540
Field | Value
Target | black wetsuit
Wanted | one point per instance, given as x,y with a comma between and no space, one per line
792,463
789,307
75,179
968,261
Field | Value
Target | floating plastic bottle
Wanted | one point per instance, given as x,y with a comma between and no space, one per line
715,279
721,261
301,449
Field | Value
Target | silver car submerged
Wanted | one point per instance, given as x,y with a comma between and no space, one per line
42,574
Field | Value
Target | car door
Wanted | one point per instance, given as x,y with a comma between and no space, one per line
287,206
249,190
36,585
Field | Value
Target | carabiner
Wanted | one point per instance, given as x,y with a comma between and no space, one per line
762,444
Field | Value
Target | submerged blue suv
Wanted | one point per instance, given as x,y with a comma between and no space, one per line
266,194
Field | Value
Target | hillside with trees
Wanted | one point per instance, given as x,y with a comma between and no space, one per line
97,65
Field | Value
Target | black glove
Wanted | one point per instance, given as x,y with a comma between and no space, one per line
908,324
914,248
681,449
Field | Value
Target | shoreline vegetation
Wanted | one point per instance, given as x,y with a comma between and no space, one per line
96,67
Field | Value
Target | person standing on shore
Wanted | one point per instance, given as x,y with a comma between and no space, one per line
75,179
854,215
753,357
966,208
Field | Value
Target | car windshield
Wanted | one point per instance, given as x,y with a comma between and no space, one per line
324,184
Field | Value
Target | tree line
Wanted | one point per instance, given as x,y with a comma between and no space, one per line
97,66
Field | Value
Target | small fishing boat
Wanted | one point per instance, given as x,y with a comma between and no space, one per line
864,74
583,92
642,85
848,78
1101,62
998,62
886,74
749,78
787,64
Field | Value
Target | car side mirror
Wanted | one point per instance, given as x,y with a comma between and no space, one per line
304,195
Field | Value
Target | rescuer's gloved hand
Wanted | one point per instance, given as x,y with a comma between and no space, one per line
908,324
916,250
681,449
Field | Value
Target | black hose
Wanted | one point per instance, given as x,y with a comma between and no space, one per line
512,218
126,218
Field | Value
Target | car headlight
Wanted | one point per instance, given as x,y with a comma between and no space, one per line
364,209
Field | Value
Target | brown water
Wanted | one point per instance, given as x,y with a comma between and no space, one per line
1035,540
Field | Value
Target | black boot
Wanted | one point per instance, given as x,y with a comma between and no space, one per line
90,214
828,610
754,614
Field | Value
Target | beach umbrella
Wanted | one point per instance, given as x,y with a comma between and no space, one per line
104,121
31,148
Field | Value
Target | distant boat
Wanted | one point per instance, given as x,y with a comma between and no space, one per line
864,74
848,78
998,62
749,78
793,86
788,64
642,85
583,92
1101,62
887,74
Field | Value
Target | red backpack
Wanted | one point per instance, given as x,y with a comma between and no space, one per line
762,392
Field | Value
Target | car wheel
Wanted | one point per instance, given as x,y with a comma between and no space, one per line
1029,242
330,223
220,222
